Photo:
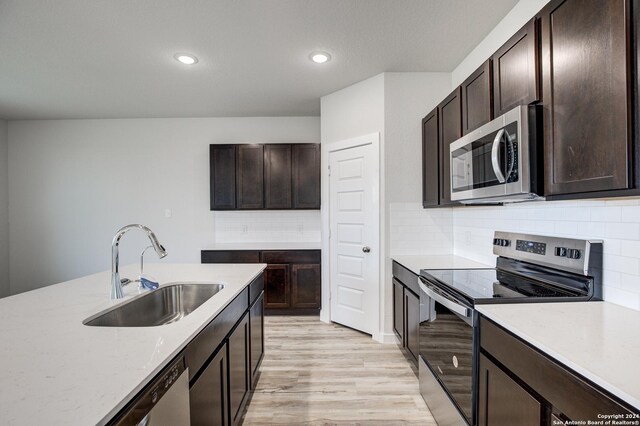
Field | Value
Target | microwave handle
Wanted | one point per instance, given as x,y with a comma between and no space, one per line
494,156
448,303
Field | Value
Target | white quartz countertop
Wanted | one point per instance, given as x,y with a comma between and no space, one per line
599,340
55,370
266,246
415,263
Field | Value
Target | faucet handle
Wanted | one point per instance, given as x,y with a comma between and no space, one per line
125,281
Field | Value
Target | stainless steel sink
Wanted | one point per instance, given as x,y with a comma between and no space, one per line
169,303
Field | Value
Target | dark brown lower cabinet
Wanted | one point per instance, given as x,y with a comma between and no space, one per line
208,395
292,280
256,322
496,388
238,347
406,311
224,360
412,322
277,290
517,381
398,310
305,288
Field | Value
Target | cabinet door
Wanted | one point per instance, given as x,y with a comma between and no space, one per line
222,177
305,286
412,322
256,322
398,310
277,176
516,79
306,176
585,95
430,160
208,395
502,400
477,102
450,129
250,177
276,286
238,368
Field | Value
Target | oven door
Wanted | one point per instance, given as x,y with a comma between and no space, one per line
489,162
447,335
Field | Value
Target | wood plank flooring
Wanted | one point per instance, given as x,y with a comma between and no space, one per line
326,374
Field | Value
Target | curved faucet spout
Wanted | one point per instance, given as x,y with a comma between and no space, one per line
116,284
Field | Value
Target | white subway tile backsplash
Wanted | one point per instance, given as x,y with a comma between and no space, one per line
469,231
615,221
267,226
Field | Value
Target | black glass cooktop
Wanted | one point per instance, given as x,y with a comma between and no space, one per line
497,286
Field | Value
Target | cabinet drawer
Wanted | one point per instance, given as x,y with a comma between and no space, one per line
230,256
204,344
291,256
406,277
570,394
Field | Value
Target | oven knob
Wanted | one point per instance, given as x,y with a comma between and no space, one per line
573,254
561,251
496,242
154,397
504,243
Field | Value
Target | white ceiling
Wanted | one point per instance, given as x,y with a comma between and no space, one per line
114,58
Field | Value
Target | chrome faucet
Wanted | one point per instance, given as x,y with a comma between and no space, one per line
116,282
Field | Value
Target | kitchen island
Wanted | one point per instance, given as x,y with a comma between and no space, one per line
56,370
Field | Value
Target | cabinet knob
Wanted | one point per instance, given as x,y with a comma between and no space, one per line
366,249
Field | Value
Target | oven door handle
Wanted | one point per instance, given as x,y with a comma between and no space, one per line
445,301
495,162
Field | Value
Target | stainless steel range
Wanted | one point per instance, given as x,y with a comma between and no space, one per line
530,268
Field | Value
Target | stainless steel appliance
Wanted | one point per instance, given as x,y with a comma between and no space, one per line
163,402
529,269
500,161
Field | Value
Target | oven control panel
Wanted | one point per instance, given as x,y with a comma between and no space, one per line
531,247
568,254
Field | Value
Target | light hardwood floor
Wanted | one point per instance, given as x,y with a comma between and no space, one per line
326,374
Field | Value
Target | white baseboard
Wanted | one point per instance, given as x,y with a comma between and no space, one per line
385,338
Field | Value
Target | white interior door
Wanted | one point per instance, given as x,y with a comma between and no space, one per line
354,237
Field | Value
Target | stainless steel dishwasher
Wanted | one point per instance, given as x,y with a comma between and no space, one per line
163,402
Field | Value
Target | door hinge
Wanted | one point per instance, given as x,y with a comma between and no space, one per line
329,167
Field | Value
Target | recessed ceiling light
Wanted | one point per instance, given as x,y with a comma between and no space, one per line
320,57
186,59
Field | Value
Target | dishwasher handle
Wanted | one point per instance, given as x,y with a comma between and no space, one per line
444,299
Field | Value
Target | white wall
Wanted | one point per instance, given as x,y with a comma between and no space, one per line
299,226
4,209
73,183
392,104
521,13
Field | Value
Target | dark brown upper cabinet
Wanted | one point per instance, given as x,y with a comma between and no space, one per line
222,164
586,96
277,176
306,176
272,176
516,76
450,129
250,177
430,161
477,104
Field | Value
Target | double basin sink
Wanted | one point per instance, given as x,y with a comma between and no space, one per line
167,304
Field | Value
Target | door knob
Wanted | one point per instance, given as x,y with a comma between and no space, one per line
366,249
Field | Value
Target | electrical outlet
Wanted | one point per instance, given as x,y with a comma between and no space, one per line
300,228
167,213
245,229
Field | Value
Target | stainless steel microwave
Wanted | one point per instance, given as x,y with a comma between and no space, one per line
500,161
